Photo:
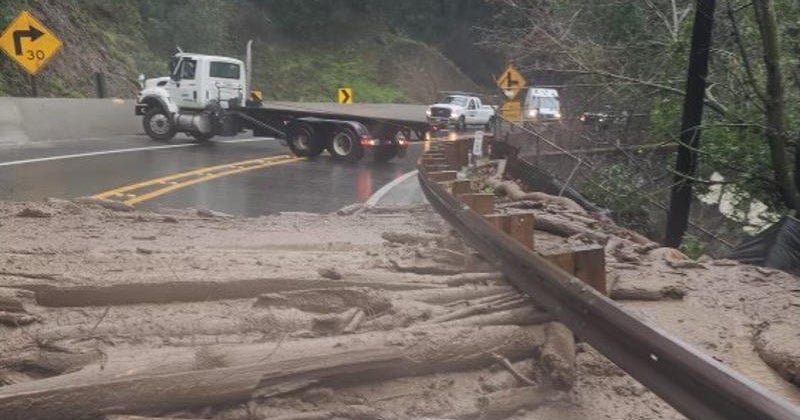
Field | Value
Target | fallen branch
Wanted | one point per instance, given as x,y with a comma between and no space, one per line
507,364
165,379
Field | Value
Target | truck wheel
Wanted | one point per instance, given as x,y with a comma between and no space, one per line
158,125
461,125
302,140
385,153
346,145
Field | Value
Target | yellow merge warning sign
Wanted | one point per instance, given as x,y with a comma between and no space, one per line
29,42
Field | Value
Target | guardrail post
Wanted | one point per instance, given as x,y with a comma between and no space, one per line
517,225
442,176
460,187
590,266
451,154
587,263
481,203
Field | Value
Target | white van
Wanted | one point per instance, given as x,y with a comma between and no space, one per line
541,105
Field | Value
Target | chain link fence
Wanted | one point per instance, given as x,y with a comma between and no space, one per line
609,170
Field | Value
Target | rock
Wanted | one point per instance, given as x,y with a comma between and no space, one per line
685,264
329,273
317,395
33,212
212,213
349,210
778,344
105,203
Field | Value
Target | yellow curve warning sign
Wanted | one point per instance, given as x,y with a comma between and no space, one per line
28,42
344,95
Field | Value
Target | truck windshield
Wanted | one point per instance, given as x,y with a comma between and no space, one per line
455,100
224,70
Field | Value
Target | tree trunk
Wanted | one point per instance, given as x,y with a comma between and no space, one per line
686,162
774,106
166,379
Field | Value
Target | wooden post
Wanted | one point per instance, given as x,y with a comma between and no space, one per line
590,266
517,225
587,263
460,187
481,203
442,176
451,155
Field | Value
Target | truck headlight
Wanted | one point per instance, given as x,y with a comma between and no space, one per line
533,113
557,115
455,114
428,112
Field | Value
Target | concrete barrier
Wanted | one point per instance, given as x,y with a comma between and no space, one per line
26,120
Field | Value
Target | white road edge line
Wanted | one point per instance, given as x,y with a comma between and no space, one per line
89,154
117,151
374,198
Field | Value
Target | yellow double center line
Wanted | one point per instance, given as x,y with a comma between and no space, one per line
128,194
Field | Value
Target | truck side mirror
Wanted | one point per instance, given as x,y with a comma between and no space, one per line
141,80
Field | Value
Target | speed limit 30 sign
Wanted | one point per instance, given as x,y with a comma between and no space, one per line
28,42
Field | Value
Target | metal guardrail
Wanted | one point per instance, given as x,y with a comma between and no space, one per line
693,383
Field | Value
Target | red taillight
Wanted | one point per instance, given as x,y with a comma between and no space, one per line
367,141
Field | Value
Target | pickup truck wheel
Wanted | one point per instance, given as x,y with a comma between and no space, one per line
303,141
345,145
461,125
158,125
490,125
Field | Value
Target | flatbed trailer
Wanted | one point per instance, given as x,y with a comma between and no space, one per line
348,132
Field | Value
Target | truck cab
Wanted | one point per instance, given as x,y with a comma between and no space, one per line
541,105
196,81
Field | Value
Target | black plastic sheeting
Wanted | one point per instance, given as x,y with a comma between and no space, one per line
776,247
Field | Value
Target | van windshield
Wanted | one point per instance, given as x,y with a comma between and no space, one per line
548,103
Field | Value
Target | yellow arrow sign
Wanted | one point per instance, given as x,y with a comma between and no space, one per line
344,95
511,81
28,42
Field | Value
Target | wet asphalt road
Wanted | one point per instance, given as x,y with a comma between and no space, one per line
319,185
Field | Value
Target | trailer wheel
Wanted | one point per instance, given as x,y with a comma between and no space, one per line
158,125
345,144
385,153
303,141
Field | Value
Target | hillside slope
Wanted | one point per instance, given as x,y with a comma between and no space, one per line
123,39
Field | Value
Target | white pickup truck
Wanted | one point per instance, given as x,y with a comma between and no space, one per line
460,111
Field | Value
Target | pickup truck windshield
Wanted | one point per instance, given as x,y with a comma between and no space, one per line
224,70
455,100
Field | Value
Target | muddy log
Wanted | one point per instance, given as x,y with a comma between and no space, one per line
166,379
514,192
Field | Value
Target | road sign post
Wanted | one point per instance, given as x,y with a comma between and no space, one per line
344,95
28,42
